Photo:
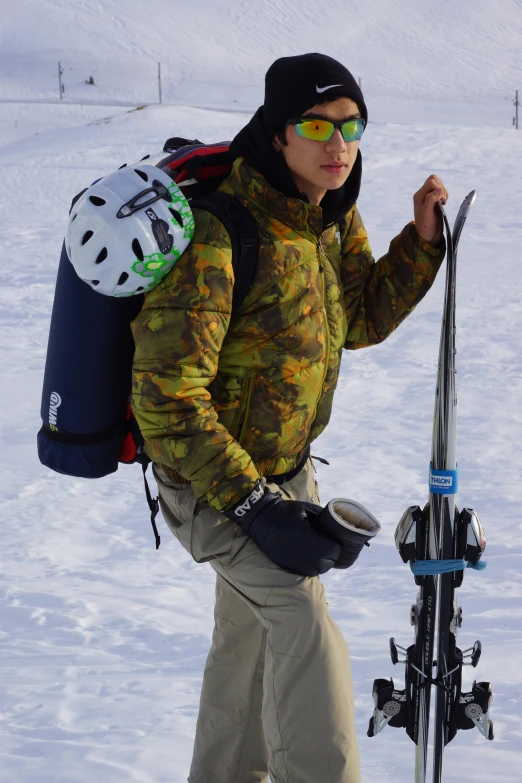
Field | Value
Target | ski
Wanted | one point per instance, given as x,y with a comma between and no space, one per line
438,542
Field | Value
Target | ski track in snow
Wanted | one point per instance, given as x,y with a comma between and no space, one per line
102,639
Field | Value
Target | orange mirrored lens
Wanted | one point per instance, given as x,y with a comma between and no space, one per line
320,130
323,130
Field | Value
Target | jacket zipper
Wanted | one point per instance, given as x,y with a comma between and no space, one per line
326,326
243,413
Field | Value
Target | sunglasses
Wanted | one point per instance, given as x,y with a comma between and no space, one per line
322,130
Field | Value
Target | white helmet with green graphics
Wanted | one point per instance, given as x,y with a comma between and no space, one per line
128,230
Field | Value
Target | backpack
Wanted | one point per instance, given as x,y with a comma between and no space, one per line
87,424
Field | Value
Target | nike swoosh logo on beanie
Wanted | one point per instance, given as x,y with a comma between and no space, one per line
323,89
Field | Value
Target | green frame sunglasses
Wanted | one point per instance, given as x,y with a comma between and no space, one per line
319,129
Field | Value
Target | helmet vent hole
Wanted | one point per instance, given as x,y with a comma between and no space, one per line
122,166
95,282
123,277
86,237
97,201
145,157
137,249
74,217
101,256
139,288
142,175
176,216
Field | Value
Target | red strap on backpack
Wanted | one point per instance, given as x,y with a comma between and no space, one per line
197,168
128,447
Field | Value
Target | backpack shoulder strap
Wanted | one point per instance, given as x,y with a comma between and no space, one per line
244,237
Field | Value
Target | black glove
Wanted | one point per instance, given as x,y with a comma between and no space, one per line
350,523
286,531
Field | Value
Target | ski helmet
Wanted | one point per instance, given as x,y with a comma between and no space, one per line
128,230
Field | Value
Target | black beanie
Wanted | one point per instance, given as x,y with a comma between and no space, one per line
295,84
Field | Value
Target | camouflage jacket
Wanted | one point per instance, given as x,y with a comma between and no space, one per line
221,401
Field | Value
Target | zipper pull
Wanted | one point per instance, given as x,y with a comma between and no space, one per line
320,459
320,249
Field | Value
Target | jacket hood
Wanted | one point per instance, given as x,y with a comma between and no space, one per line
254,144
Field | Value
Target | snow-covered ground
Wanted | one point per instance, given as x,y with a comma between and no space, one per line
102,639
449,61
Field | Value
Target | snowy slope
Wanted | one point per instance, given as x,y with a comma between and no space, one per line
433,46
103,640
460,59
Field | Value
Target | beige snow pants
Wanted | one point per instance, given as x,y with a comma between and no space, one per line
277,689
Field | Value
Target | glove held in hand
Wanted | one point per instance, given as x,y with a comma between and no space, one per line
287,531
351,524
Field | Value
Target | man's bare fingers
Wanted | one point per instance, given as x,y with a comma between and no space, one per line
439,185
428,199
436,195
433,183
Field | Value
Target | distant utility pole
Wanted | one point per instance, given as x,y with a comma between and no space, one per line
159,81
60,85
516,105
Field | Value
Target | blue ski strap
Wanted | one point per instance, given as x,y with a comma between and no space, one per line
434,567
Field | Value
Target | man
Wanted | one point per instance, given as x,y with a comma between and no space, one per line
228,409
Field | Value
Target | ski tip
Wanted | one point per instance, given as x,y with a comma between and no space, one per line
470,198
